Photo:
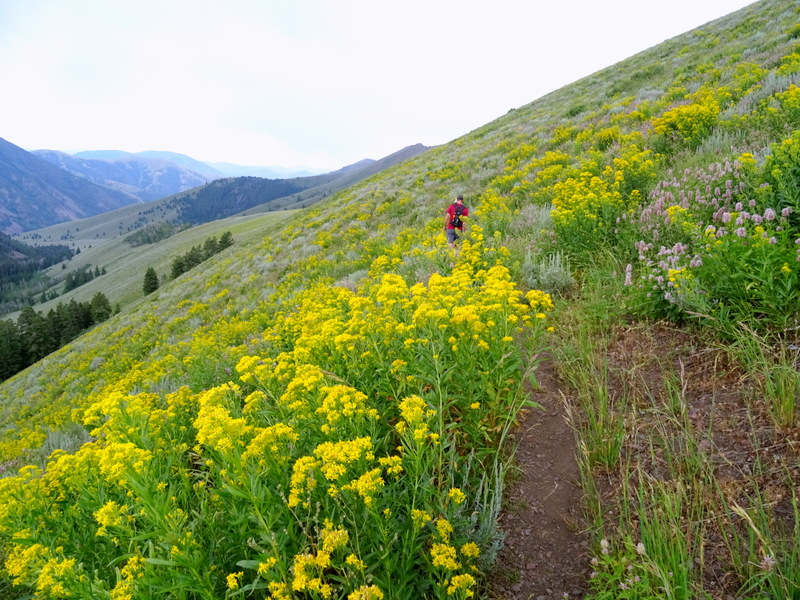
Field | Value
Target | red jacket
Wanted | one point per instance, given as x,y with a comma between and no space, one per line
451,211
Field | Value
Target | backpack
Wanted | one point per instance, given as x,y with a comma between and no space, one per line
456,220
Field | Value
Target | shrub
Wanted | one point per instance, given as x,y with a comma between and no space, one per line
550,273
714,253
781,177
688,124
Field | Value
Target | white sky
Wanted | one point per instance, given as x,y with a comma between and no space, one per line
314,83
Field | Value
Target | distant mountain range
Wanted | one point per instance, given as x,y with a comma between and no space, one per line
211,170
248,195
35,193
180,160
142,178
46,187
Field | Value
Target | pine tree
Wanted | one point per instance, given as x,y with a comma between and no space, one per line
11,350
32,332
178,267
210,248
150,284
101,307
225,241
193,258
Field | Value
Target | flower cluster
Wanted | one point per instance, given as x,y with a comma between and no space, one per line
716,247
338,410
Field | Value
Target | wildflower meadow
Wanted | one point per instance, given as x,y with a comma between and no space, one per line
328,410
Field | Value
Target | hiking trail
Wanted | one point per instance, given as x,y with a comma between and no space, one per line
546,550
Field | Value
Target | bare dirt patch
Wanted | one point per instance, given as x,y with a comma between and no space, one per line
546,547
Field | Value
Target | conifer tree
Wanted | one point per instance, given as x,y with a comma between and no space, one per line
225,241
101,307
178,267
11,350
31,327
210,248
150,284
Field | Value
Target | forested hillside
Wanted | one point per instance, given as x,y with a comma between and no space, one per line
326,412
19,265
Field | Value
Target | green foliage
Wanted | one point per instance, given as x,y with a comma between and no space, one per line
21,267
79,277
623,572
152,233
150,283
199,254
100,307
781,175
354,457
722,257
774,552
575,110
35,334
771,362
550,273
688,124
225,197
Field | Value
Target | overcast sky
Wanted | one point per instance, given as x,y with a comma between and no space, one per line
312,83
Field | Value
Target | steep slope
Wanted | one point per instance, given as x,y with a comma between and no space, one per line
321,410
35,193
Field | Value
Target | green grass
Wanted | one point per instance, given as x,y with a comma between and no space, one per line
687,440
125,266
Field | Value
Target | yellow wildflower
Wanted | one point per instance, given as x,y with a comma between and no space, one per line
470,550
234,580
355,562
444,556
366,592
265,565
456,495
444,528
420,518
333,539
463,582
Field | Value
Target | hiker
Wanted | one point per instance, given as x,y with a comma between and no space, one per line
454,219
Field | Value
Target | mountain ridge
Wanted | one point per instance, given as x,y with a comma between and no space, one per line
60,195
216,199
132,179
143,177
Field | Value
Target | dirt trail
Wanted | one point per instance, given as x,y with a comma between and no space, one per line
546,547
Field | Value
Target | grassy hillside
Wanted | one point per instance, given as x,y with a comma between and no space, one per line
125,265
324,412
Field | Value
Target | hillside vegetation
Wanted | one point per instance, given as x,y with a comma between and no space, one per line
325,411
124,265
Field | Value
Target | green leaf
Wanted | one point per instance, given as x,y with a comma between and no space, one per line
161,561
